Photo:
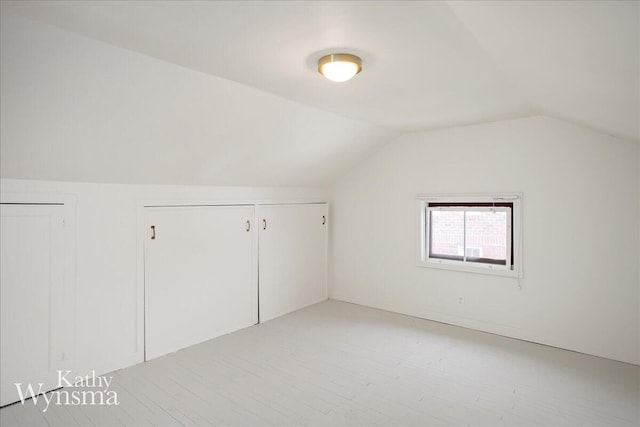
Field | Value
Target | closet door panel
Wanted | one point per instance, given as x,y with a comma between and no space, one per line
200,275
293,257
32,297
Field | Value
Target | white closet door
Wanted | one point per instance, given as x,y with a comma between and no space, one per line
200,275
293,257
31,297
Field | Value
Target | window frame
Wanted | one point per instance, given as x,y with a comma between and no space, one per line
510,203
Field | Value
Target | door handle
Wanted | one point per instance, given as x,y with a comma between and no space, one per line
248,225
264,224
324,220
153,232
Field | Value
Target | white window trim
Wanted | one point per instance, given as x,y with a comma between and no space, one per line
471,267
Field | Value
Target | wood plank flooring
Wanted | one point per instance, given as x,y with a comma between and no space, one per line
339,364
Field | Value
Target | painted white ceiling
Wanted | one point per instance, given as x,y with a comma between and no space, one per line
577,60
227,93
76,109
426,64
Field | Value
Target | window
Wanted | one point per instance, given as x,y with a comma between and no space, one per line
476,233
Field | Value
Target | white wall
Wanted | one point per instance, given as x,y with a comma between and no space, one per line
81,111
581,282
108,315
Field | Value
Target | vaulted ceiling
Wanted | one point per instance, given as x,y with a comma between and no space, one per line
426,64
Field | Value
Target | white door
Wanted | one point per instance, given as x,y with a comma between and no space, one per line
200,275
32,329
293,257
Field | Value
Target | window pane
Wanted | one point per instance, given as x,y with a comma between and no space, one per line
486,236
447,234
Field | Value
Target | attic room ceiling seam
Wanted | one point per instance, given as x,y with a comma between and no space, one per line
269,42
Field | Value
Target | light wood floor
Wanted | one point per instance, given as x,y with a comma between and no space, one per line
336,364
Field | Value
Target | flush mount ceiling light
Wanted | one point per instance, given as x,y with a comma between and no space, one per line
339,67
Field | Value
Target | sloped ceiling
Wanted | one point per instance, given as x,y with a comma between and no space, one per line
426,65
577,60
73,109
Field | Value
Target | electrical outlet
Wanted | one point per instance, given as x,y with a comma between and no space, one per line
460,300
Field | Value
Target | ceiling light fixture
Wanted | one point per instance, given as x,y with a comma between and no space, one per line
339,67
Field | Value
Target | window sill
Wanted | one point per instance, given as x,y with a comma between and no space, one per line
494,270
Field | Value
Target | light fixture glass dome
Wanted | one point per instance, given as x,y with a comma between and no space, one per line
339,67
